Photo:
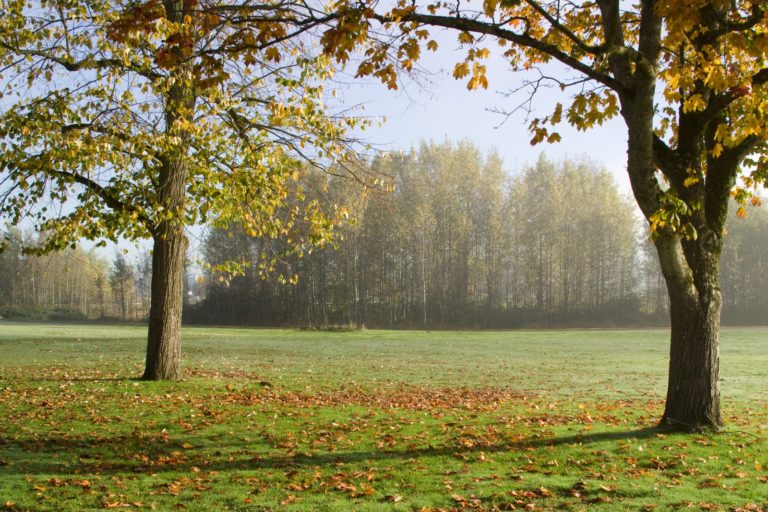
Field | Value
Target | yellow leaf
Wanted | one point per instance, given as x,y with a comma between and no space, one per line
461,70
690,180
489,6
721,132
466,38
694,104
557,115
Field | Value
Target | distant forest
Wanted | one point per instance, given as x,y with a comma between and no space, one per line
457,243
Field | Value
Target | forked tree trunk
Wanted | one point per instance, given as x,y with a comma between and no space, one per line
693,391
690,267
164,335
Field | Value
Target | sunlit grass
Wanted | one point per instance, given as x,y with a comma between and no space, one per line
372,420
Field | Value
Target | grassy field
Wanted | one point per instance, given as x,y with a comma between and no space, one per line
371,420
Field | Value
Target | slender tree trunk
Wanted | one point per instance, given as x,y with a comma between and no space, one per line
423,279
356,286
170,243
164,336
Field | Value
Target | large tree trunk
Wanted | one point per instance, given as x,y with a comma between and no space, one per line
167,299
690,267
693,392
170,243
164,337
167,295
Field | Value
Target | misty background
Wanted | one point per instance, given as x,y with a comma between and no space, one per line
458,241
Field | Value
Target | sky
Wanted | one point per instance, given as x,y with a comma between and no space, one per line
433,106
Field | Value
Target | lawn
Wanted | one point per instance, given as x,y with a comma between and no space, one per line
371,420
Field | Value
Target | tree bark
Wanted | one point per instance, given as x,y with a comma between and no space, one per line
693,391
164,337
690,267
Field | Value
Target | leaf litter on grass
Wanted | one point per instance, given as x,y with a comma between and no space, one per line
474,449
223,440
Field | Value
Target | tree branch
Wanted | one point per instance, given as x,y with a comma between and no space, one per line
595,50
87,63
110,200
479,27
664,157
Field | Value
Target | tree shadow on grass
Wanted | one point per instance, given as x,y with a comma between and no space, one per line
597,437
83,379
140,453
163,476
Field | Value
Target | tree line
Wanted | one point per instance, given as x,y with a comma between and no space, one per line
459,243
72,284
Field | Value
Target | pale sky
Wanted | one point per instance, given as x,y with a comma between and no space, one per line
434,106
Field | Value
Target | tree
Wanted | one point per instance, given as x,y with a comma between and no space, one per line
744,268
121,278
577,278
11,266
457,243
61,285
143,282
137,119
685,151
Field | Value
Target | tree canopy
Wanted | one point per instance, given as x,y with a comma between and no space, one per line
89,115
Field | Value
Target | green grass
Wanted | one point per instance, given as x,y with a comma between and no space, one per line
372,420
